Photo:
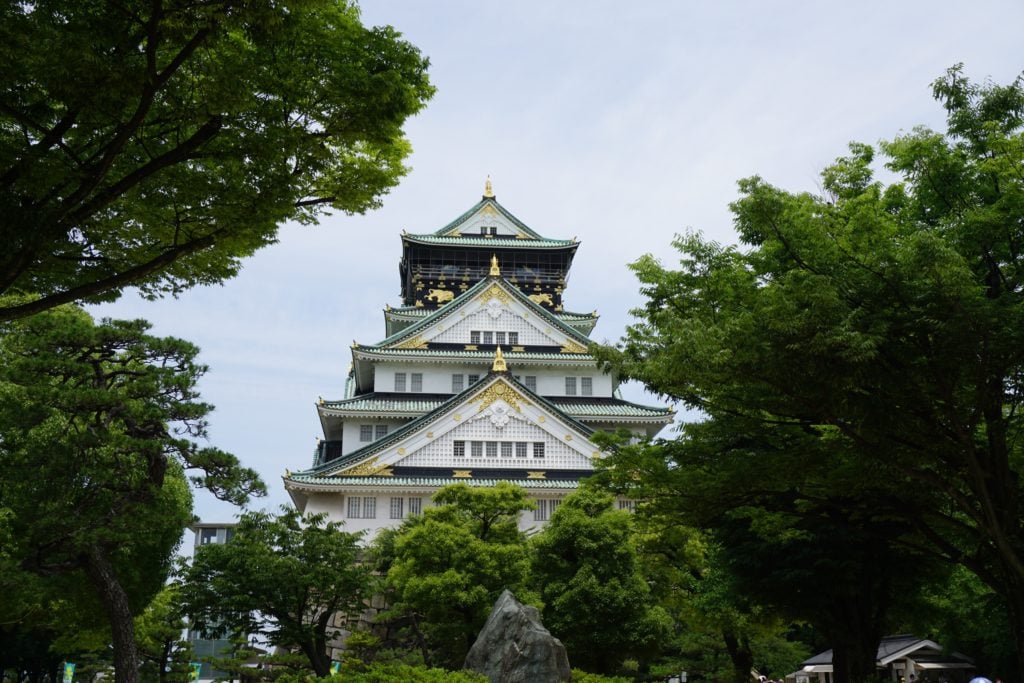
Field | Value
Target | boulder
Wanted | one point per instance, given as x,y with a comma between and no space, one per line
514,647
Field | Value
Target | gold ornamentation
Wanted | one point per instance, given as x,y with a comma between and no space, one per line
440,296
573,347
430,435
414,343
518,349
499,362
419,304
495,270
488,189
540,299
500,390
401,451
568,437
471,347
462,474
489,211
457,417
541,419
536,475
369,468
496,292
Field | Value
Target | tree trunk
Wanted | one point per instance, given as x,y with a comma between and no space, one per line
741,656
115,603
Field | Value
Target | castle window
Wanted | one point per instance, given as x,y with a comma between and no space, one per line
492,449
499,338
459,449
366,433
627,505
476,449
417,381
472,379
521,449
415,506
587,386
354,507
488,337
538,449
369,508
513,337
381,431
456,384
545,508
397,505
474,336
506,449
399,381
570,386
531,382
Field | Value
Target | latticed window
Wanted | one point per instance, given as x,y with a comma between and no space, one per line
627,505
472,379
513,337
457,383
476,448
492,449
521,449
397,505
474,336
488,337
538,449
399,381
417,381
540,514
381,431
587,386
354,507
570,386
366,433
506,449
530,382
499,338
415,506
459,449
369,508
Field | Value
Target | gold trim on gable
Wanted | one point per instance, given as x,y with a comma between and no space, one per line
573,347
416,342
500,390
369,468
536,475
496,292
462,474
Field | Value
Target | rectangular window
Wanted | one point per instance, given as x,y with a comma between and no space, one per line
476,448
530,383
493,230
513,337
399,381
472,379
541,513
381,431
483,229
627,505
506,449
369,508
474,336
354,506
488,337
397,505
552,506
499,338
366,433
457,384
521,449
492,449
587,386
570,386
417,381
538,449
459,449
415,506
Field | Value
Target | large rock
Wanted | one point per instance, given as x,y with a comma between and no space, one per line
514,647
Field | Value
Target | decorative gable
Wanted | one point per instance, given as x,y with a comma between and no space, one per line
495,425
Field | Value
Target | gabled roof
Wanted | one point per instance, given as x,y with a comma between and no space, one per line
448,230
367,452
892,648
463,299
398,318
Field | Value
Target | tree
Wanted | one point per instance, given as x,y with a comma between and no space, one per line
155,144
284,577
596,600
450,565
165,655
889,318
99,424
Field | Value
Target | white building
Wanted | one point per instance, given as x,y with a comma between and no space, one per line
482,377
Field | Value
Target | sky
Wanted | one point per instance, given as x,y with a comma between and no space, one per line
621,124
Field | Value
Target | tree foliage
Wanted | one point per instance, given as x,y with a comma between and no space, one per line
887,319
596,599
155,144
99,424
283,577
449,565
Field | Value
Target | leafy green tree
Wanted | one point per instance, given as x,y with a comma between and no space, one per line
165,655
596,599
99,424
155,144
450,564
284,577
886,318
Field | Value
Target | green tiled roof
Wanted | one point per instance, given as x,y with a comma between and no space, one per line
490,242
479,205
430,481
486,356
581,409
420,312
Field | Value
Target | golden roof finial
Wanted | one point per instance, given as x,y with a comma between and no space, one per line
495,270
488,189
499,362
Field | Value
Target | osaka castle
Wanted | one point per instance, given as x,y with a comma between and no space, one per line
482,376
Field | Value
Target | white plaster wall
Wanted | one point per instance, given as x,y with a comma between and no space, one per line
350,433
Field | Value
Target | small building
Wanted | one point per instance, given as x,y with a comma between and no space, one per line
899,658
203,648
